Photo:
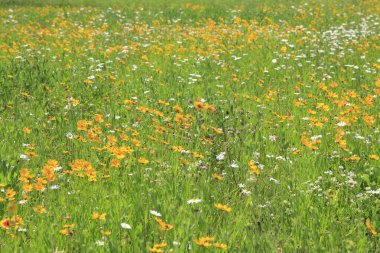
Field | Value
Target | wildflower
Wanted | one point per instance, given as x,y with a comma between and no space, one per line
194,201
205,241
274,180
54,187
374,157
272,138
143,161
178,109
217,177
125,225
246,192
163,226
370,227
155,250
80,164
24,157
234,165
97,216
99,118
224,208
66,232
220,245
341,124
10,194
115,163
217,130
160,245
105,233
157,247
69,226
155,213
100,243
199,105
221,156
26,130
5,223
39,209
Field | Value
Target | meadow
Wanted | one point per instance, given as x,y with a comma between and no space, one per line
189,126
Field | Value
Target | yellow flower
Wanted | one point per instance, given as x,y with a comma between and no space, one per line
205,241
177,148
97,216
81,164
144,161
160,245
115,163
163,226
199,106
374,157
83,124
5,223
26,130
220,245
155,250
370,227
10,194
178,109
39,209
66,232
217,130
105,233
224,208
99,118
217,177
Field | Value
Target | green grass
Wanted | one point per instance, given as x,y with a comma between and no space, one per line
278,99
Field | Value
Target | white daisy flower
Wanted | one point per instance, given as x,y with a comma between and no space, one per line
155,213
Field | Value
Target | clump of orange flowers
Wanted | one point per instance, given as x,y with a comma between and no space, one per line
208,242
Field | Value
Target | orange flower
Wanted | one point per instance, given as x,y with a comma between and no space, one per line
217,177
370,227
80,164
157,247
5,223
99,118
83,124
26,130
163,226
178,109
220,245
205,241
224,208
97,216
115,163
39,209
155,250
199,106
9,194
217,130
27,187
66,232
105,233
143,161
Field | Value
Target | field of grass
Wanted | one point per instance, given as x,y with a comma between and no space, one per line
189,126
